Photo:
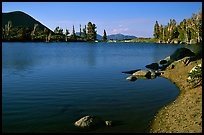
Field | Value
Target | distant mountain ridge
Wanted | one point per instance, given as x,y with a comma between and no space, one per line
19,18
120,37
114,36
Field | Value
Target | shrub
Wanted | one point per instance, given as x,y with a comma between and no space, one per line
195,77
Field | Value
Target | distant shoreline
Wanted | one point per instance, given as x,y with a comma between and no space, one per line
184,115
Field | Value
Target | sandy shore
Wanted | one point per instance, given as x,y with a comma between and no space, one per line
184,115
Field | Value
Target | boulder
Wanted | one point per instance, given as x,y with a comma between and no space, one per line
153,74
108,123
131,78
176,41
143,74
193,41
89,121
167,58
181,53
163,62
154,66
186,60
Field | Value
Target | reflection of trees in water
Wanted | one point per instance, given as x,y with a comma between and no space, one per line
91,55
157,52
197,49
169,49
19,64
17,57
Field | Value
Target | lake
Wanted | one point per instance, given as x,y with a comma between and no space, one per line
46,87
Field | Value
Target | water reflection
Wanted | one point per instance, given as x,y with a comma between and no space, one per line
17,57
91,56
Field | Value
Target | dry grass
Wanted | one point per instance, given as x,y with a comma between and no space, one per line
184,115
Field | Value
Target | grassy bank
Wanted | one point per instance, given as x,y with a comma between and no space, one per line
184,115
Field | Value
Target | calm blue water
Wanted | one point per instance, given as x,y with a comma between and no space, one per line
46,87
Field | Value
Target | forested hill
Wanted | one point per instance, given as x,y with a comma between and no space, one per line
21,19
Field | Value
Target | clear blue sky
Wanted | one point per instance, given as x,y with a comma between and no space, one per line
133,18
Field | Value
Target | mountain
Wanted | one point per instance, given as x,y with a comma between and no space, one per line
99,37
19,18
114,36
120,37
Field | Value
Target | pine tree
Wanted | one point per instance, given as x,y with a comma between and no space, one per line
156,30
80,31
84,34
91,35
188,31
104,38
66,33
73,34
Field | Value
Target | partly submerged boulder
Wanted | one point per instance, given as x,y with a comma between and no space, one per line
142,73
92,122
131,78
145,74
89,121
163,62
154,66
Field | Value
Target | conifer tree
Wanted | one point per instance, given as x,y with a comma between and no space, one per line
104,38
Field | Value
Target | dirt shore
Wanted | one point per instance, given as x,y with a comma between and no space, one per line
184,115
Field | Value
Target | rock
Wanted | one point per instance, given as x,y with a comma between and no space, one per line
88,121
181,53
154,66
176,41
193,41
108,123
158,41
142,74
163,62
171,66
186,60
167,58
131,71
131,78
153,74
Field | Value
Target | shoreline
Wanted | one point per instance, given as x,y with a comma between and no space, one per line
184,114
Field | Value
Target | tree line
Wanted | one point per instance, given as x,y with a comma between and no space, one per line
35,34
189,31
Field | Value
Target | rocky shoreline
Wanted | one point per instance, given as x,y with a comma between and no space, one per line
184,115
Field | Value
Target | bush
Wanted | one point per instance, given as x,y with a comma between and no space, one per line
195,76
